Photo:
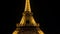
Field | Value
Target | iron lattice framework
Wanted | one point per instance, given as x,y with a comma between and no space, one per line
27,24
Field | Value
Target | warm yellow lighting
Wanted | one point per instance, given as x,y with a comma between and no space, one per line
31,21
15,32
27,6
40,32
22,20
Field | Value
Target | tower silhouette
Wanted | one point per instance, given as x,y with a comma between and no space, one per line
27,24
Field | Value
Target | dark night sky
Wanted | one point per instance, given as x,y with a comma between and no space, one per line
42,13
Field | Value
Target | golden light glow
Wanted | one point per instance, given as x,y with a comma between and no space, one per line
22,20
40,32
31,19
27,6
15,32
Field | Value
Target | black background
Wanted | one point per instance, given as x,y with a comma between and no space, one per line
11,14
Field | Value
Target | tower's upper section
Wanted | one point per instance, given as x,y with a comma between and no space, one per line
27,6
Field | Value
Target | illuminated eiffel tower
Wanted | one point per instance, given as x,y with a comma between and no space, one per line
27,24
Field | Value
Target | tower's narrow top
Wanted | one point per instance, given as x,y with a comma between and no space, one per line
27,6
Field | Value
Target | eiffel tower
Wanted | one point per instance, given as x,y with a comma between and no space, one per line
27,24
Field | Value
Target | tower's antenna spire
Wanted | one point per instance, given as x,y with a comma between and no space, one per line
27,6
